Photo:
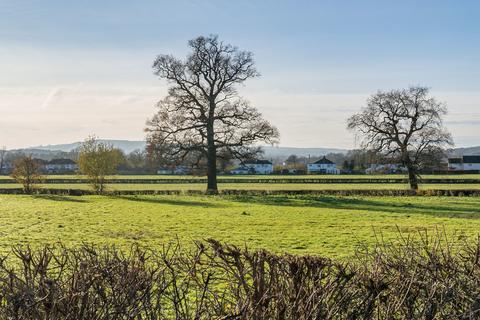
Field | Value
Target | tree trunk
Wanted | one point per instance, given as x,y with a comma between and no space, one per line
412,177
212,187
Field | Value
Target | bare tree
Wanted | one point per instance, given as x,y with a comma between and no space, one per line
97,160
203,112
404,124
3,152
136,160
26,171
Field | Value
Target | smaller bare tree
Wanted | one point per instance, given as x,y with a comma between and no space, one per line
403,124
97,160
3,153
26,171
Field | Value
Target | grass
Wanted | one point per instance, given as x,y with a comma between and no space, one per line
327,225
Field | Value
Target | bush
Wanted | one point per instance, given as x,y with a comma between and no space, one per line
411,280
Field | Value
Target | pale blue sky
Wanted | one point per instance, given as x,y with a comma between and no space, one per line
72,68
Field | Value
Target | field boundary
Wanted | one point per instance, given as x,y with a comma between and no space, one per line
360,192
262,181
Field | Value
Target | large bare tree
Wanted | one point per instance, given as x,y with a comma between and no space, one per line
403,124
203,115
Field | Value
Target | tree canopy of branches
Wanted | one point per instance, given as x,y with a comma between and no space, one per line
403,124
203,115
26,171
97,160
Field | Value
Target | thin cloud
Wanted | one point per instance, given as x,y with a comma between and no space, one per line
50,98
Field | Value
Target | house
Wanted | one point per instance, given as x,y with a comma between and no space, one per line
254,167
465,163
323,166
7,168
260,166
385,168
60,166
242,170
179,170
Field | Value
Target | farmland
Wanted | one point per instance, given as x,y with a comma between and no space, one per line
327,225
303,224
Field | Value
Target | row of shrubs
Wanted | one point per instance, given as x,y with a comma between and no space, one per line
430,279
396,193
263,180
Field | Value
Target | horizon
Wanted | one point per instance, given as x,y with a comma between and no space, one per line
44,147
71,70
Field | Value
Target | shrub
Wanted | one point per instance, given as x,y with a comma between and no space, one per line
26,171
430,279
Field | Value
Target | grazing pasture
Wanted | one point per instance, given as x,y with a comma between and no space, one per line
326,225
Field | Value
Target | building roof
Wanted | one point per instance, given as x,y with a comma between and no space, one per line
323,161
61,161
471,159
258,162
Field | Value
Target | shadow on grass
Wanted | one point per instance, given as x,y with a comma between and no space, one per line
456,209
171,200
58,198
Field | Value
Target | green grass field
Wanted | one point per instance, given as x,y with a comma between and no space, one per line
327,225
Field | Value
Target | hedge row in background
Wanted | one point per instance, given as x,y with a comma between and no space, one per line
79,192
411,280
263,180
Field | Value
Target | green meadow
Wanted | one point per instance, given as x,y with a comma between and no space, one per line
324,225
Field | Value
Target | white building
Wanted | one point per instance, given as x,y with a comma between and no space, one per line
60,166
323,166
260,166
465,163
254,167
242,170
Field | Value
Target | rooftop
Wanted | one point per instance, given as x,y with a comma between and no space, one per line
257,162
323,161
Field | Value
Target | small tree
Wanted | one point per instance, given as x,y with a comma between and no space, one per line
403,124
26,171
3,152
98,160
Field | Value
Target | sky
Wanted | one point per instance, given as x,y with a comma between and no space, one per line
70,69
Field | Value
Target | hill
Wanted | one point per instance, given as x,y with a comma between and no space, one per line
129,146
126,145
270,152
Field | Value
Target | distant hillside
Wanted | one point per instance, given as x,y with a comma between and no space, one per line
270,152
129,146
125,145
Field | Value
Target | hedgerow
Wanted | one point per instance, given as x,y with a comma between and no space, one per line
427,278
